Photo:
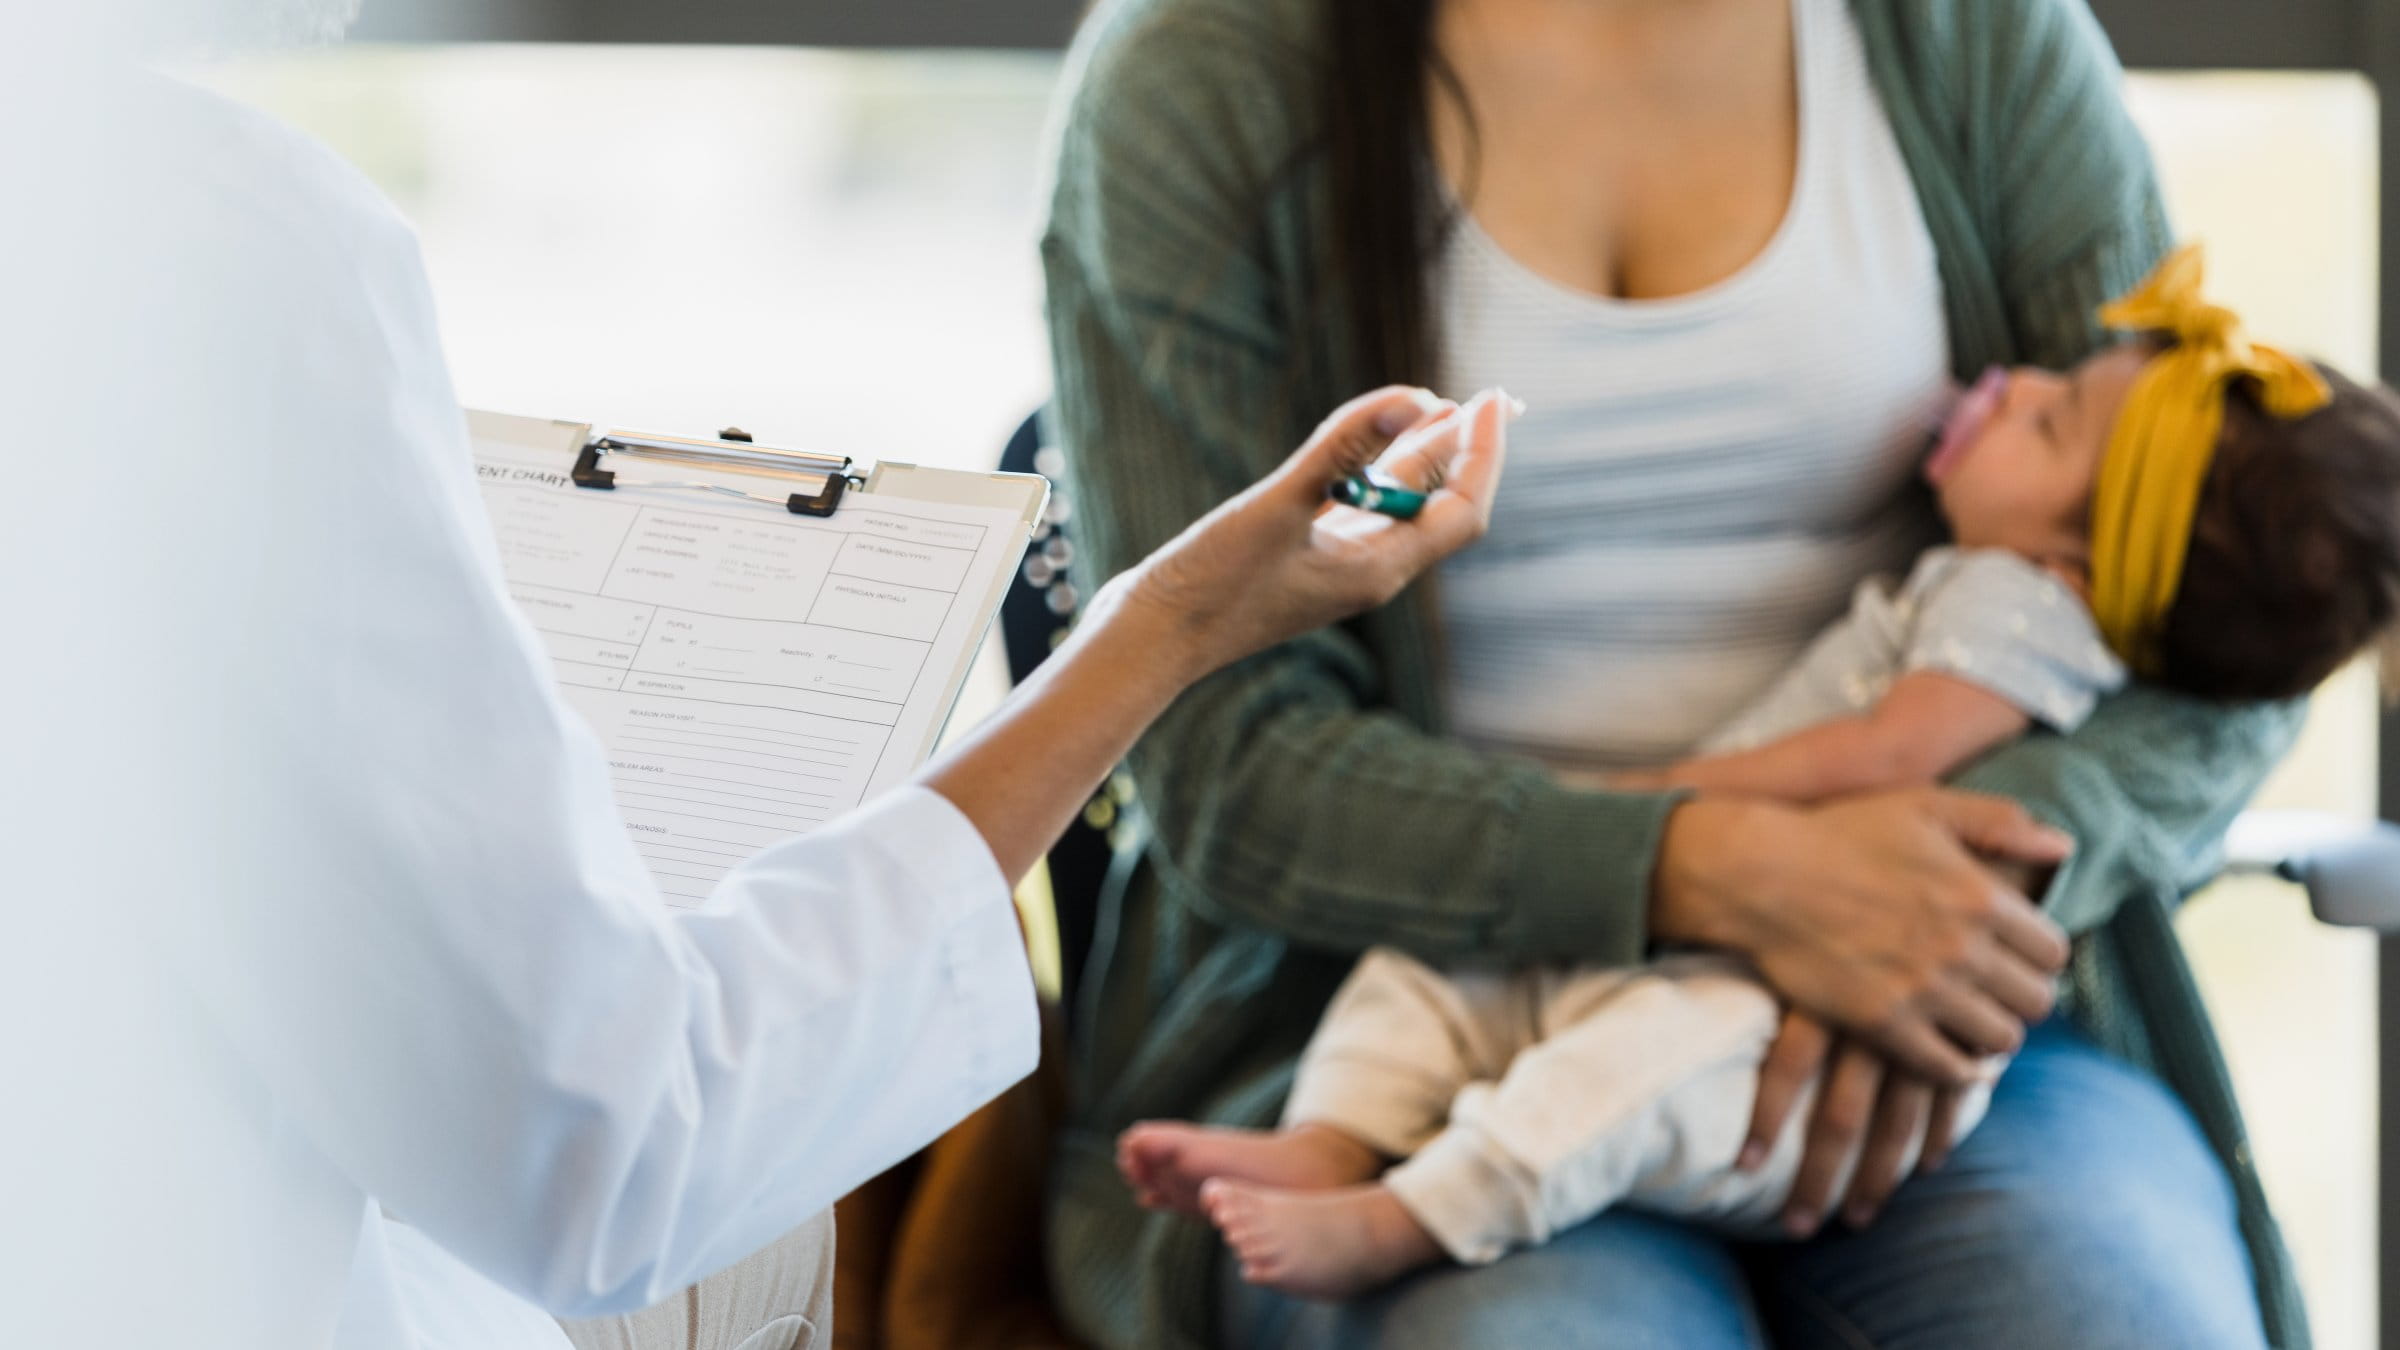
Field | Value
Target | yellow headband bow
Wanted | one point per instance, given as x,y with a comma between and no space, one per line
2165,438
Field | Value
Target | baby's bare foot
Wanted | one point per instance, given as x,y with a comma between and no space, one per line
1333,1244
1165,1161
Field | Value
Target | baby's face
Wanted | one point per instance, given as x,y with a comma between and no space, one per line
2016,466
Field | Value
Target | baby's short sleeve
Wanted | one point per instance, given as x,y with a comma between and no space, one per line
1993,619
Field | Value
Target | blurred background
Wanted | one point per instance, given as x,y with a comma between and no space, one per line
817,221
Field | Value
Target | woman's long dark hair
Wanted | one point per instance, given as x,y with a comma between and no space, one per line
1389,213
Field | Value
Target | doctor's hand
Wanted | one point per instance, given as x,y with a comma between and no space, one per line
1272,563
1280,560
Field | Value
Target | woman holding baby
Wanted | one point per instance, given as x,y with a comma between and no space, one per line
1735,256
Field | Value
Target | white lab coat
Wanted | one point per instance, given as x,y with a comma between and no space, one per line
320,903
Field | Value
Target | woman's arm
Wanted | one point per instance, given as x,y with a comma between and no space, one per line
2146,787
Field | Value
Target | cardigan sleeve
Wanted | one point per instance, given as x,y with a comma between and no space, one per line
2147,787
2075,213
1282,794
2072,205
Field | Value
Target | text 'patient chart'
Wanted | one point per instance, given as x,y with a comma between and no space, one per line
752,673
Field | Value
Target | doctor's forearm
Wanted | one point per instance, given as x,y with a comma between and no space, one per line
1023,776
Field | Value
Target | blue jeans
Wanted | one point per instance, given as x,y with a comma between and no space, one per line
2086,1213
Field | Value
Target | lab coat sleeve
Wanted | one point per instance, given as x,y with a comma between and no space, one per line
400,886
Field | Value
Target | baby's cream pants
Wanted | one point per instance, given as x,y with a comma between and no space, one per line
1524,1101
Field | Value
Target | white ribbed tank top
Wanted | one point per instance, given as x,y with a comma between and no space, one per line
1700,481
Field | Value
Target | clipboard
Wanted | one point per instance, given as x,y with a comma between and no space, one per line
729,719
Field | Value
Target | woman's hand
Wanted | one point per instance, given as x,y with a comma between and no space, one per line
1876,915
1868,1117
1280,560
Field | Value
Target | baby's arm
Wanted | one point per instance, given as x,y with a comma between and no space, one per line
1990,644
1929,726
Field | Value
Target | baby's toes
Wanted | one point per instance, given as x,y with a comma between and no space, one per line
1217,1197
1144,1155
1261,1257
1230,1206
1133,1148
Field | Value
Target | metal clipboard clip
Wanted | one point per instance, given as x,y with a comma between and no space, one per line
731,449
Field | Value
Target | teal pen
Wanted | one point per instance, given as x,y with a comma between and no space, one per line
1389,498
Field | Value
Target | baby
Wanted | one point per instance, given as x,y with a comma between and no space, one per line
2221,518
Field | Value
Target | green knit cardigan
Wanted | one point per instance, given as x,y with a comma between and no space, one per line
1305,804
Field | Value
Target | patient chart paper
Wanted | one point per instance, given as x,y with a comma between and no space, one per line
752,673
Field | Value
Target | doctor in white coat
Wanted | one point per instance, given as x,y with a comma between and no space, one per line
320,907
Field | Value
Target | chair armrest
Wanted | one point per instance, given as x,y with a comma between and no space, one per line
2351,868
